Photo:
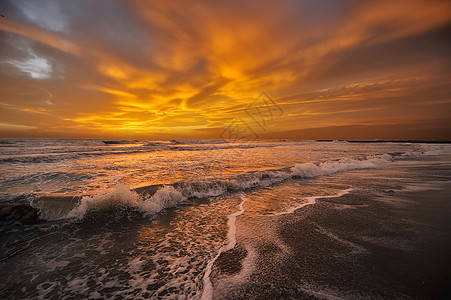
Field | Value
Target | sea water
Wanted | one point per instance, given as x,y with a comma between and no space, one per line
169,218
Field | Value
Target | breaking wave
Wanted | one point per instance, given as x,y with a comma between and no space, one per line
153,199
310,170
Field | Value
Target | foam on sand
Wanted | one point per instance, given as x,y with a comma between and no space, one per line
231,242
311,201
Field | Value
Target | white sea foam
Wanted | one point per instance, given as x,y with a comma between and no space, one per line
356,247
173,195
165,197
121,196
231,242
322,293
310,201
316,169
430,150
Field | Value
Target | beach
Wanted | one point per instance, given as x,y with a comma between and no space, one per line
225,149
379,241
209,219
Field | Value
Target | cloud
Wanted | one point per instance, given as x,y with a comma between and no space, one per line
15,127
51,39
168,66
44,13
35,66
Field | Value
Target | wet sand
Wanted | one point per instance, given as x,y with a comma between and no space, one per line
393,245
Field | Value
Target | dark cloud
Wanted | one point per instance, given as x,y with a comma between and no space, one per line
95,66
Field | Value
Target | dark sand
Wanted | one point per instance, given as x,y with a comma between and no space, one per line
230,262
391,245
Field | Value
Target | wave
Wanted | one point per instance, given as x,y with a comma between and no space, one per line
60,154
55,155
181,142
153,199
431,150
310,170
47,177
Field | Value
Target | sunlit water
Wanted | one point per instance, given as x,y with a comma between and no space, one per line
169,218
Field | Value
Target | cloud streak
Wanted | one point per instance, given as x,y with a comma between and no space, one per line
169,68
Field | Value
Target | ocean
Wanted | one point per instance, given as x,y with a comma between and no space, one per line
216,219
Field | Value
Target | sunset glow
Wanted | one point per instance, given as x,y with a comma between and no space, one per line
173,69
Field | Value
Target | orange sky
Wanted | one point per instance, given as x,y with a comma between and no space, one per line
189,69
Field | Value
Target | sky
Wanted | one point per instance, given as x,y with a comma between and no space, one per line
301,69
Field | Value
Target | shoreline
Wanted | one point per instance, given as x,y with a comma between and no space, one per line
394,244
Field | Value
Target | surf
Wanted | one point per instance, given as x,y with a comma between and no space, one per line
150,200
